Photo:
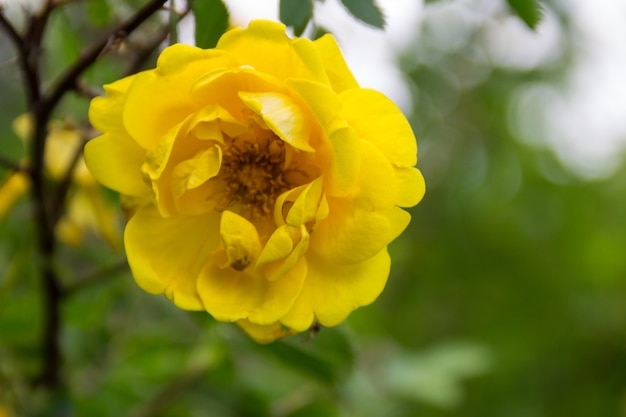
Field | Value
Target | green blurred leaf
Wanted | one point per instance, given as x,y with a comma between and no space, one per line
367,11
319,32
436,376
98,12
296,14
65,40
316,409
211,21
329,357
529,11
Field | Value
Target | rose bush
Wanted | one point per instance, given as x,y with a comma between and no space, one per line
260,182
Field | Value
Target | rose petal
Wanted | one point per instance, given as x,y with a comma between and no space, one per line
350,235
166,254
115,160
283,116
105,113
264,46
345,162
378,120
240,239
332,291
336,68
306,205
194,172
159,99
410,186
263,333
230,295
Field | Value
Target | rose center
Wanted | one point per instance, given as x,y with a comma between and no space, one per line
255,173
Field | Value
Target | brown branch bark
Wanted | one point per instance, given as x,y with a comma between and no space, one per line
49,203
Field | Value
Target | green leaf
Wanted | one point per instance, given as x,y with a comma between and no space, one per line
98,12
366,11
211,21
296,14
328,357
530,11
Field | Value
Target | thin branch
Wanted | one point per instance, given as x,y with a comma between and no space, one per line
16,38
9,164
145,51
67,81
24,52
47,216
94,278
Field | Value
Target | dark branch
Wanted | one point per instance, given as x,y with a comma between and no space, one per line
47,210
68,80
7,163
10,29
25,59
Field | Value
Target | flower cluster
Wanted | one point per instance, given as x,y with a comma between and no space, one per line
260,182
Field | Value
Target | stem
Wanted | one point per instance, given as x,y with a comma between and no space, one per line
49,205
67,81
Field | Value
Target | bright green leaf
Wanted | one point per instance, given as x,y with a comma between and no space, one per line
296,14
367,11
211,21
98,12
529,11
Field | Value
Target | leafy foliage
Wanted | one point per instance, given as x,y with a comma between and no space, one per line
296,14
367,11
529,11
211,21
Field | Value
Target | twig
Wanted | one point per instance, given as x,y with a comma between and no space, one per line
7,163
156,40
67,81
94,278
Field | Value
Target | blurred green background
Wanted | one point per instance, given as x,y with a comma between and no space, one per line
507,295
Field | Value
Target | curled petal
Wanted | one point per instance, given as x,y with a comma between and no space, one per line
283,250
283,116
240,239
306,205
194,172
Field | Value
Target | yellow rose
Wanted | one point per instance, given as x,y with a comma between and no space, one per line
262,184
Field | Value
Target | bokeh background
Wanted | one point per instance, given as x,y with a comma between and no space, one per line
507,295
